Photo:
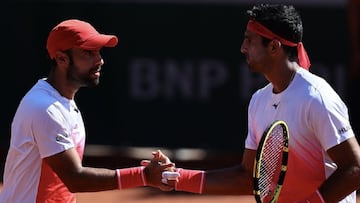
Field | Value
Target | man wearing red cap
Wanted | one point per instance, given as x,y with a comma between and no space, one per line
324,155
48,134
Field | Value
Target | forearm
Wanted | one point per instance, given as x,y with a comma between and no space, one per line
229,181
340,184
78,178
99,179
89,179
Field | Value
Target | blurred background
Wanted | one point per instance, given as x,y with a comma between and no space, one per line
177,80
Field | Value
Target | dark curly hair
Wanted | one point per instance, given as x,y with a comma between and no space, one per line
283,20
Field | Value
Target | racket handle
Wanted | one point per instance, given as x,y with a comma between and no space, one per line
190,181
131,177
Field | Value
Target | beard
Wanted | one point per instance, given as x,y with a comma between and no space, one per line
83,79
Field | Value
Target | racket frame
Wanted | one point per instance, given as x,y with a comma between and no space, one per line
258,159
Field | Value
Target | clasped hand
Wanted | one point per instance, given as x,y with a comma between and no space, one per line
154,168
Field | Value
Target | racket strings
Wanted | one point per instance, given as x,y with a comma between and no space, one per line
271,162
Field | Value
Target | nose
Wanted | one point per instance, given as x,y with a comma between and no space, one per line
99,60
243,48
99,63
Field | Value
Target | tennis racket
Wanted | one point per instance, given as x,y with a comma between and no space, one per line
271,162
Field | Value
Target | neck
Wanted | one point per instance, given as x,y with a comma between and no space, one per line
283,79
61,86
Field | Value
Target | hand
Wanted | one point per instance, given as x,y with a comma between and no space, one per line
154,169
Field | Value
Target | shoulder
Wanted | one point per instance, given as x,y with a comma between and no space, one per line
316,86
319,92
39,100
267,89
261,94
314,81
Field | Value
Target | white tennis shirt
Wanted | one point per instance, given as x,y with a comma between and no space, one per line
45,124
317,119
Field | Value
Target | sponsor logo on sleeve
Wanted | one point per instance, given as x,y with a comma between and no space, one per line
344,129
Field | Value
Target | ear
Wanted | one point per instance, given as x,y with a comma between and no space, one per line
275,45
61,58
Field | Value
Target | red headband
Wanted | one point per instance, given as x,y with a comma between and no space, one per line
257,28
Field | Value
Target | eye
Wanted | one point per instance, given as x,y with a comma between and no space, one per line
247,40
88,53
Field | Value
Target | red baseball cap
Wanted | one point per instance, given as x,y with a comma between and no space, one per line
75,33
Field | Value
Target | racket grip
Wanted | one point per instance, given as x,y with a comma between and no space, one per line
130,177
190,181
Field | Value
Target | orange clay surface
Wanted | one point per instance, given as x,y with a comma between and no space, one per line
152,195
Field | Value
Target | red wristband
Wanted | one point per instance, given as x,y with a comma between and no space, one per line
131,177
191,181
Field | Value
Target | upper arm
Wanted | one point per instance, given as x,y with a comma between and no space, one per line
51,132
346,177
65,164
346,153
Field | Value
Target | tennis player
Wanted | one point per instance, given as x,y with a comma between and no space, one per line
48,134
324,155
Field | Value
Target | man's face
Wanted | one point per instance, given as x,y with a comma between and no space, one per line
84,67
254,51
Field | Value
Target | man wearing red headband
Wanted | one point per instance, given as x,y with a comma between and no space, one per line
324,155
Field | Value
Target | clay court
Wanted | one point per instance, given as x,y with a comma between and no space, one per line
151,195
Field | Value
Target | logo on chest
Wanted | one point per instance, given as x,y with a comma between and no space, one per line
275,105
